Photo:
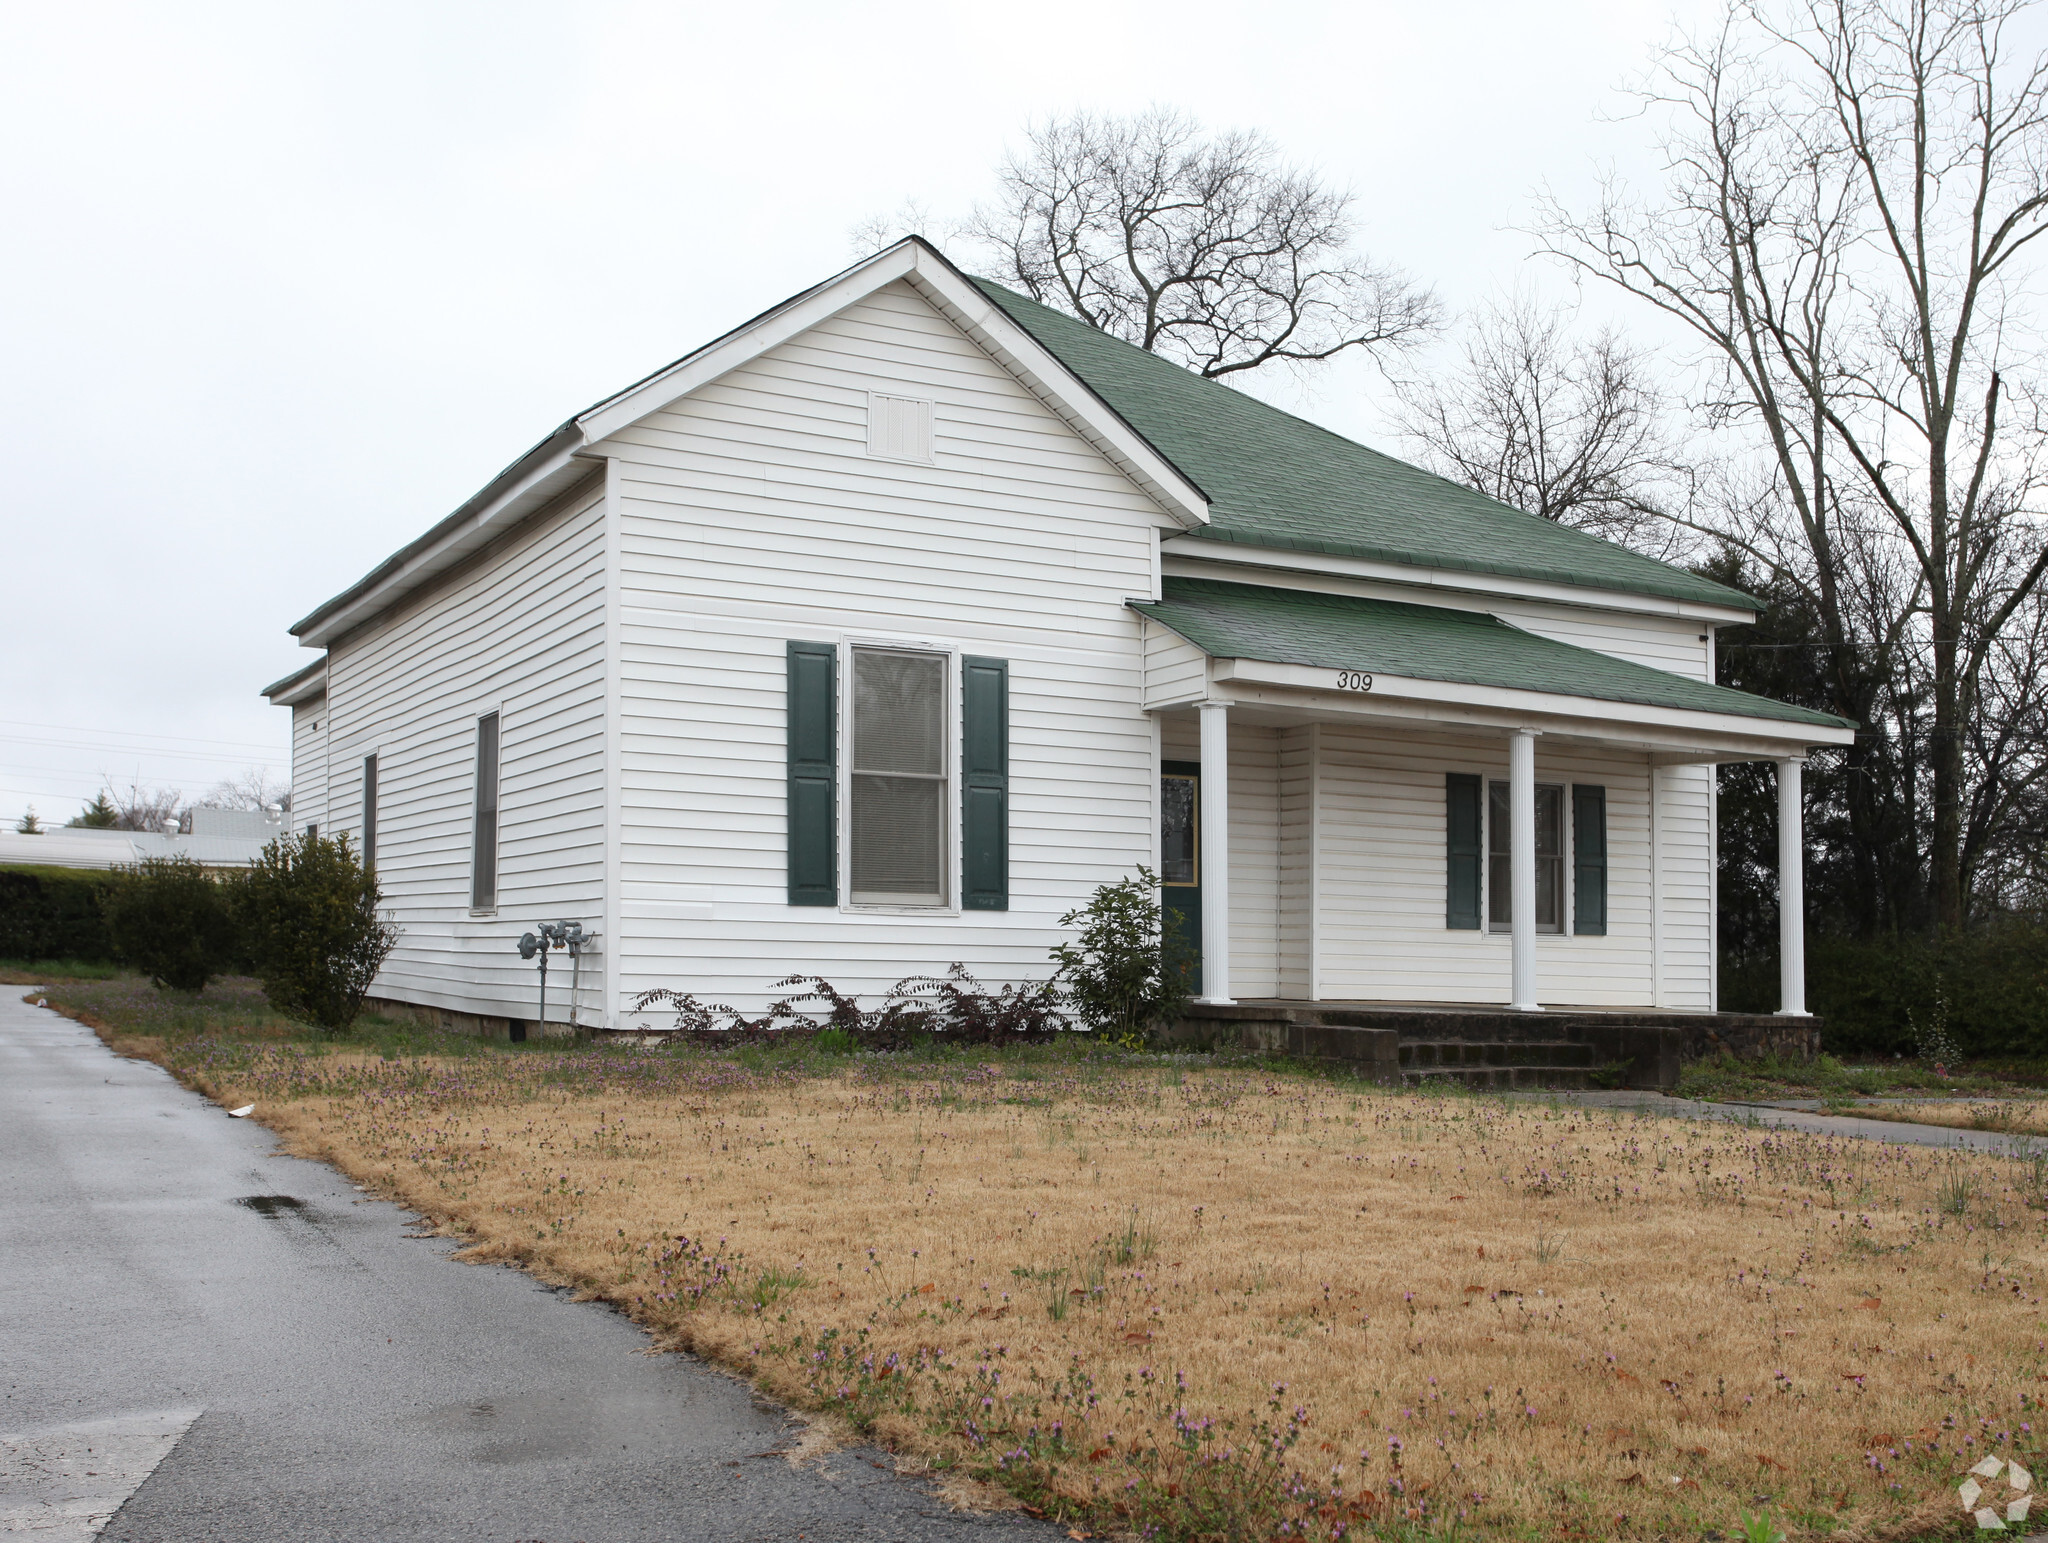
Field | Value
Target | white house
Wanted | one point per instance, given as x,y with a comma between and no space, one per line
877,633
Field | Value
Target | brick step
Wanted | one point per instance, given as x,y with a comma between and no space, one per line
1498,1076
1434,1054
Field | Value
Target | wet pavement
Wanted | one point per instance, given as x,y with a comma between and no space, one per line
206,1340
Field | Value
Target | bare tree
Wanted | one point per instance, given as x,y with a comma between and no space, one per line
148,809
255,788
1572,429
1851,186
1207,249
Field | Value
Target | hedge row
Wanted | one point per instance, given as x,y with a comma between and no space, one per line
54,913
1881,996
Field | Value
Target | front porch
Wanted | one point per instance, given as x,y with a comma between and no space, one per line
1367,803
1475,1047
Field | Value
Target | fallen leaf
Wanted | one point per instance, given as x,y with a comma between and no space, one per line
1098,1454
1632,1479
1469,1290
1622,1376
1457,1197
927,1288
1873,1303
1771,1462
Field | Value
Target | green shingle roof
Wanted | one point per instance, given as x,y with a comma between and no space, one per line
1275,480
1426,642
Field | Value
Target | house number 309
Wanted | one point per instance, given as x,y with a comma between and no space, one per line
1353,680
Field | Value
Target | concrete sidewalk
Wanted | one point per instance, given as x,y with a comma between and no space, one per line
1779,1117
208,1340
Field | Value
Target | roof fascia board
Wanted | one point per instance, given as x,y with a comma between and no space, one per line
471,528
948,290
1516,707
302,685
1188,562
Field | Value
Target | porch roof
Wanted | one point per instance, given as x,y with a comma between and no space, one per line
1343,632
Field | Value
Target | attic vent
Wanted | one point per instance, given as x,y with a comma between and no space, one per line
899,428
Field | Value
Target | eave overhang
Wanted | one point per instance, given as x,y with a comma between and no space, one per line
299,686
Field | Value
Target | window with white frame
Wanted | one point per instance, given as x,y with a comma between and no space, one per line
898,835
1549,858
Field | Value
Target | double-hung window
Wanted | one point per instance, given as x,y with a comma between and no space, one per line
910,769
899,804
1549,858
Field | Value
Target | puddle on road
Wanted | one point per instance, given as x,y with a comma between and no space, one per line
276,1207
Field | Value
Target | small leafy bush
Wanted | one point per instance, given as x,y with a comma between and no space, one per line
1127,972
309,910
172,920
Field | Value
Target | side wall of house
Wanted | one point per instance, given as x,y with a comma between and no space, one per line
309,764
752,515
519,633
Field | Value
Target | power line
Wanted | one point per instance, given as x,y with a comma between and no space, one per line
179,739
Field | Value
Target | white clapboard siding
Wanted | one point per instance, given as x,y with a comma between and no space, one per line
1381,868
1300,789
1175,670
522,633
309,764
751,515
1686,852
1663,642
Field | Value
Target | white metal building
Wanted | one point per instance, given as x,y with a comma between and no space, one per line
875,634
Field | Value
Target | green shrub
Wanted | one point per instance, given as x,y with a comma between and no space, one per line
170,918
309,913
54,913
1127,973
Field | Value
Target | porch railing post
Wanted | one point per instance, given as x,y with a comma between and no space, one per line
1215,853
1791,890
1522,870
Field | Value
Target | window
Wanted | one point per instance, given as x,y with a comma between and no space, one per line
312,831
899,778
369,811
1549,858
1179,854
483,873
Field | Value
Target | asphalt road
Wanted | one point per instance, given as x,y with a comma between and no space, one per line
213,1341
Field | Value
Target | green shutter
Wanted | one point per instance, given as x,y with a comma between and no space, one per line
812,708
1462,851
1589,861
985,785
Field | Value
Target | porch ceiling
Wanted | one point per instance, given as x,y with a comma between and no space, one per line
1295,655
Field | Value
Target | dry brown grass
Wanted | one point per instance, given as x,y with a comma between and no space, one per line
1408,1315
2014,1116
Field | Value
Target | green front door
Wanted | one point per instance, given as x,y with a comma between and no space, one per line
1180,856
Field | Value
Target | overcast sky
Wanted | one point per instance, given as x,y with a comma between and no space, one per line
282,285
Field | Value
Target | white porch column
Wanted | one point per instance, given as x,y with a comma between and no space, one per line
1215,852
1791,890
1522,869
